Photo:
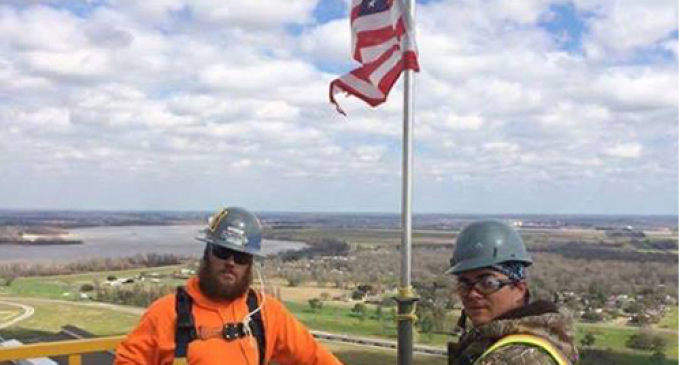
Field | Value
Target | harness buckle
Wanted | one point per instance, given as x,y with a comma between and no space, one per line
230,332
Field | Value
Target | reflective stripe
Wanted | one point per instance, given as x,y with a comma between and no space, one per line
531,340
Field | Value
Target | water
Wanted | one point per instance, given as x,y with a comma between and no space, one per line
100,242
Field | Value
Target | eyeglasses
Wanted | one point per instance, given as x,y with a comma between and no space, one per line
224,253
486,285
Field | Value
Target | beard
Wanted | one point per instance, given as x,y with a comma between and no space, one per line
214,289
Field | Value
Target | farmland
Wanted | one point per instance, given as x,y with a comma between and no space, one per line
623,279
337,317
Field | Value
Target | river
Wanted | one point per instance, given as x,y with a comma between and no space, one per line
101,242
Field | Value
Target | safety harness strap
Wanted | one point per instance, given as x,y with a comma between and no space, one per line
530,340
186,329
257,326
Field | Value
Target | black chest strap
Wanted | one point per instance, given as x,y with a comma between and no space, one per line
257,326
186,327
185,331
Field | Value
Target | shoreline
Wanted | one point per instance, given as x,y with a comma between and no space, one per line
42,242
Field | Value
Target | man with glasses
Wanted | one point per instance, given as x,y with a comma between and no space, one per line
217,318
489,262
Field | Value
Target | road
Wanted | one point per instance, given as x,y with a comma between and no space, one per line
28,312
114,307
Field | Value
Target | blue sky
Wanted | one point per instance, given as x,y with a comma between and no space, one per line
521,107
325,11
566,25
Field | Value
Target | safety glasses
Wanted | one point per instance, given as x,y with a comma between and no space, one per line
486,285
224,253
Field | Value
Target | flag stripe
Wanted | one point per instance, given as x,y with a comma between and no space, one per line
362,86
372,39
375,20
381,34
391,77
384,66
370,54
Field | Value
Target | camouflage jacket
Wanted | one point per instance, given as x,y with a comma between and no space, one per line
540,318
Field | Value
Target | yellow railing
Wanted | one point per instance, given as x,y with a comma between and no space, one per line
71,348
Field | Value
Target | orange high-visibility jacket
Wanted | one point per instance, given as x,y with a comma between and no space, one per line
153,341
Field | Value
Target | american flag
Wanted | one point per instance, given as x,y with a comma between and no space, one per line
383,41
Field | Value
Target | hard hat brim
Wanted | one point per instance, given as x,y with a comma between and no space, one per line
481,263
230,246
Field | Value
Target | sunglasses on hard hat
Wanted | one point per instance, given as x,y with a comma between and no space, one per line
224,253
487,284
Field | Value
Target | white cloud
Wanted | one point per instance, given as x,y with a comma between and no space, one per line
47,120
466,122
365,125
40,28
329,42
571,115
14,81
280,110
253,14
122,106
637,88
249,15
503,148
73,64
202,106
369,153
256,77
624,150
241,164
620,27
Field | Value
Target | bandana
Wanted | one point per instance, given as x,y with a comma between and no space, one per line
512,269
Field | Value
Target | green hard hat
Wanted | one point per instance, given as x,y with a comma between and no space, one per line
236,229
487,243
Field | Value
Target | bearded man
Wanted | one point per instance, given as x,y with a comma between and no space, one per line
217,318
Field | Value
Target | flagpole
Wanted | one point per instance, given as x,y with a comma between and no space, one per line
406,299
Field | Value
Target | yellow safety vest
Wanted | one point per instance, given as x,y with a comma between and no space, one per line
530,340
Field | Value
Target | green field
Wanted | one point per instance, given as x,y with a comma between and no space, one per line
670,320
67,287
355,355
49,317
341,320
8,312
616,337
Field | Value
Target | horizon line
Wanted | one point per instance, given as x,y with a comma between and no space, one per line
85,210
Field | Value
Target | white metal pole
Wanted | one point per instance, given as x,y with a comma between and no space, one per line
406,299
